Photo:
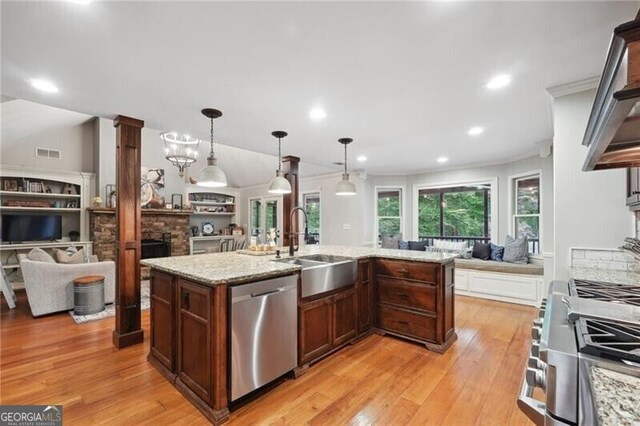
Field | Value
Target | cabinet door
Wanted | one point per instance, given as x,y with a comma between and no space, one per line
344,317
163,326
315,329
633,186
194,338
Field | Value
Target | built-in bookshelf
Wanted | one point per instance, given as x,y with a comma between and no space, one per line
216,207
34,192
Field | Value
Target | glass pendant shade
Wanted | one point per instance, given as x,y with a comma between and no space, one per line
345,186
180,150
279,185
212,176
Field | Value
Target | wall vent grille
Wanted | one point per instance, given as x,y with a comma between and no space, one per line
48,153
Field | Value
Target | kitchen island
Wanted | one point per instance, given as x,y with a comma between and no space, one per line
408,294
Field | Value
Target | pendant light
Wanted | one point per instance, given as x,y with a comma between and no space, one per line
345,186
212,176
279,185
180,150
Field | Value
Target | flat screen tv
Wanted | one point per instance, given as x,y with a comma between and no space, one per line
18,228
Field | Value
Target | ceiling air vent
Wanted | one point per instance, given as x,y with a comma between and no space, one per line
48,153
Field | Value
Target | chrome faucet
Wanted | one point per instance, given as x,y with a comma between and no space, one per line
293,249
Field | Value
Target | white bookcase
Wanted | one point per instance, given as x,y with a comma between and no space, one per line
33,191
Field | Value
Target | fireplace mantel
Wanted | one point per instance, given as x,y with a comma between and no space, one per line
107,210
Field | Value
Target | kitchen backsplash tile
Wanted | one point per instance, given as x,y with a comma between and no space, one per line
612,259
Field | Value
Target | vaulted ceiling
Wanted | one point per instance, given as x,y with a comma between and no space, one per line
405,80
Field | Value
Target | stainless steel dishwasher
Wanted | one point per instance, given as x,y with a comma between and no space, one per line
264,333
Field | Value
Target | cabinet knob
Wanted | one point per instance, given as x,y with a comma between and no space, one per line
185,299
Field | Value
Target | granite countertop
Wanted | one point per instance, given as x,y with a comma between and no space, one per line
616,397
605,275
232,267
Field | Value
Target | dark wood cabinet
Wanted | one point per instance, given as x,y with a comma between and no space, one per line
633,188
163,328
315,329
415,300
194,338
343,317
189,340
364,295
326,324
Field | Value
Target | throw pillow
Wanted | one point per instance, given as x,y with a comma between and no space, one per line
516,251
417,245
450,245
403,245
481,251
390,242
64,258
461,253
497,252
39,255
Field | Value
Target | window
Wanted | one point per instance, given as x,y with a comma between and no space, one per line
461,213
526,208
388,212
256,216
311,203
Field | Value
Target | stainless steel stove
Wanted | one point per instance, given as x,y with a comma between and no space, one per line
581,324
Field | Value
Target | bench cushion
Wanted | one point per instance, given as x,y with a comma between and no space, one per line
493,266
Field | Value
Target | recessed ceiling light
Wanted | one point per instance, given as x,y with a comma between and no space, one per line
442,160
44,85
499,81
317,113
475,131
79,1
362,158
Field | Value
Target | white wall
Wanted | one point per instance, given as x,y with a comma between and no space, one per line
589,207
27,126
337,212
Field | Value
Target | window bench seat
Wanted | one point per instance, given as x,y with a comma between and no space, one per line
506,282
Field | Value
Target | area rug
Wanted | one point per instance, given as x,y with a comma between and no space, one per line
110,309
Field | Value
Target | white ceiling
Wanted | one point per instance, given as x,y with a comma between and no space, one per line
22,120
405,80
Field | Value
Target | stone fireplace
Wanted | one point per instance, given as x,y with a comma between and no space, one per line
169,225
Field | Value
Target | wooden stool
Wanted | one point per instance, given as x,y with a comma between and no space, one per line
88,295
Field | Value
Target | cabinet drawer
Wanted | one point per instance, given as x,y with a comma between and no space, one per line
420,271
407,294
411,324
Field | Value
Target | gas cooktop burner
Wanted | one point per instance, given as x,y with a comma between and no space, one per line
609,339
607,292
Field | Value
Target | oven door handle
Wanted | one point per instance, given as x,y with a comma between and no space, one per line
533,409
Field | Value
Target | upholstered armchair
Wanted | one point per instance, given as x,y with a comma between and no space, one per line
49,286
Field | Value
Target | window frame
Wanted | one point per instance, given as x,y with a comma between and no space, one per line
513,199
263,214
303,194
494,198
403,208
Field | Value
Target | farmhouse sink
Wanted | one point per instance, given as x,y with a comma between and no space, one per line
323,273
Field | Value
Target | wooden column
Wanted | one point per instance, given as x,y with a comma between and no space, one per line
289,201
128,329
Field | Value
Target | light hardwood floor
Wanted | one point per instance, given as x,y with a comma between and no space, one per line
380,380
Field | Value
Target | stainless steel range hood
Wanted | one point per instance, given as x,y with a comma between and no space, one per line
613,130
